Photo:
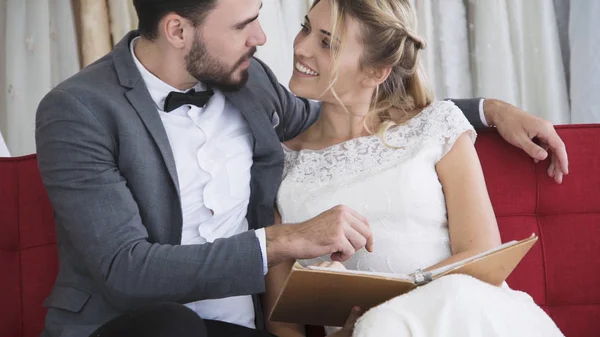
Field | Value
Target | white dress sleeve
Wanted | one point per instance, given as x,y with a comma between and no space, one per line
447,124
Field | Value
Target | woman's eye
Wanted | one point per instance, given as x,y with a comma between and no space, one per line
305,28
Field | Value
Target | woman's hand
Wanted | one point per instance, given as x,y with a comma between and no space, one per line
348,328
331,265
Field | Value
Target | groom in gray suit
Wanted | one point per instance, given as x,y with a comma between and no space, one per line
162,162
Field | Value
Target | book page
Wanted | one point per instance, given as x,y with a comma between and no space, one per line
366,273
410,277
324,296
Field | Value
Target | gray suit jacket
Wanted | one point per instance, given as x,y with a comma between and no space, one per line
107,165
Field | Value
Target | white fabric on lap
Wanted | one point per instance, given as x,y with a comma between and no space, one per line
457,305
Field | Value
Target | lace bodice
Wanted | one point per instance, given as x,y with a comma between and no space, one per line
395,187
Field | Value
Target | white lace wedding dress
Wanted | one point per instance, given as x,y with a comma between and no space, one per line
398,191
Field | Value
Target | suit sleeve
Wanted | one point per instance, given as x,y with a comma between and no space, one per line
97,213
470,108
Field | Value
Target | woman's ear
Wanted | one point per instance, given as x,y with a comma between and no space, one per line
376,76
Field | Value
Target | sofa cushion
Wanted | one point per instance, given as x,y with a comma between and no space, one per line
28,254
560,272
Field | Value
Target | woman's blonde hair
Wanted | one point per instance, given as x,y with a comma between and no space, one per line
389,40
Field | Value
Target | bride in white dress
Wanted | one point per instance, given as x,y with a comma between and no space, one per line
407,164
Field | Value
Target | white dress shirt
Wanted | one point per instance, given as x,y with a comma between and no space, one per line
481,114
212,148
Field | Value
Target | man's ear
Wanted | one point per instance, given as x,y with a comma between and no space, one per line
376,76
175,30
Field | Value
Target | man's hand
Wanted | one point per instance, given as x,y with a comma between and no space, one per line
520,128
339,231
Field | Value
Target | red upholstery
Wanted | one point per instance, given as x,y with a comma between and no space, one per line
28,256
561,272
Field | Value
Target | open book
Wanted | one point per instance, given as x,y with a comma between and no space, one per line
323,296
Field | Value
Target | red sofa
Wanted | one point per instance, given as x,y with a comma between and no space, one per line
562,272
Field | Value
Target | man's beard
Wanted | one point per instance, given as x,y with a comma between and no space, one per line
210,71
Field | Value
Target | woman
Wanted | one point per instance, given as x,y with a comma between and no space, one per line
383,148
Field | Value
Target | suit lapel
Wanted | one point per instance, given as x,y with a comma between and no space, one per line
245,101
142,103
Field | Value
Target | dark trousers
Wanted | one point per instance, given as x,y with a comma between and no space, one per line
171,320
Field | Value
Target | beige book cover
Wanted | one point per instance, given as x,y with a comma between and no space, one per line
321,296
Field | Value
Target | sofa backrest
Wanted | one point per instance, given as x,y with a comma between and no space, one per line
28,255
561,272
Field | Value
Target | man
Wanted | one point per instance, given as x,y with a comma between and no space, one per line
164,196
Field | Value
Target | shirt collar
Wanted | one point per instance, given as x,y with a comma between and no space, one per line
159,90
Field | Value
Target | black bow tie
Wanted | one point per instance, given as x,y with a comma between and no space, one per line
176,99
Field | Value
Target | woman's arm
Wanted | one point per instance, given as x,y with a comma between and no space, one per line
274,283
471,220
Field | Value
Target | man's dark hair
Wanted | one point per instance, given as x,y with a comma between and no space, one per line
150,12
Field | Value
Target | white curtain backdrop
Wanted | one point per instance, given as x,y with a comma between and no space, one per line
516,56
94,30
584,36
40,50
443,24
505,49
3,119
123,18
281,21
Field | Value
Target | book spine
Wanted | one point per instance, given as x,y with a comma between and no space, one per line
420,277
